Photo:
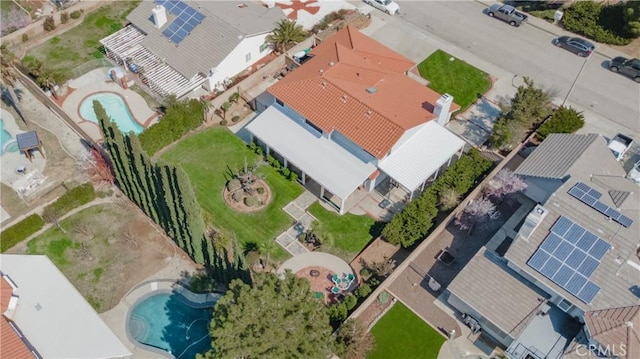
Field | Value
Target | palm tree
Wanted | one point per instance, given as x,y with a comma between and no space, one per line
286,32
49,79
8,61
266,248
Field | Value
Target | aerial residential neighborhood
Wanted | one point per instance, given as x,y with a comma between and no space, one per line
320,179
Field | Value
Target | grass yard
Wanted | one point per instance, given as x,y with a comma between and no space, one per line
81,44
350,233
106,250
208,157
401,334
457,78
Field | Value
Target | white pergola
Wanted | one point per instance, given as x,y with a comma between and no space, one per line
125,47
422,156
329,164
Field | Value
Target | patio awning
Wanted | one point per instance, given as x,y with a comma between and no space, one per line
325,161
421,155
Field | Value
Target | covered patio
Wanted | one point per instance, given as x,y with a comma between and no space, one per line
314,157
422,157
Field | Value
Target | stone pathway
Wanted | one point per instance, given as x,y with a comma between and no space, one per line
297,210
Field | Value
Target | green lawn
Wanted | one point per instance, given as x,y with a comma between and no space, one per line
81,44
401,334
457,78
207,157
350,233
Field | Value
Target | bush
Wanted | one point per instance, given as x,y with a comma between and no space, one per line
180,118
234,97
20,231
223,123
286,172
564,120
235,119
363,291
74,198
233,184
273,162
337,313
293,176
49,24
373,282
416,219
25,37
251,201
236,196
365,272
64,17
350,301
260,190
597,21
76,14
383,297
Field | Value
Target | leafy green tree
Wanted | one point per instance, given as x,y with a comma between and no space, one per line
564,120
272,318
353,341
632,17
529,106
286,32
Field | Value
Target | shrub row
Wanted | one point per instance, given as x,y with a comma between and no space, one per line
74,198
273,162
416,219
180,118
597,21
20,231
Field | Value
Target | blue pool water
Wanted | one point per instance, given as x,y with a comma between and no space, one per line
6,144
116,108
167,321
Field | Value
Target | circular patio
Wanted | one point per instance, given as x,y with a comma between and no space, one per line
328,275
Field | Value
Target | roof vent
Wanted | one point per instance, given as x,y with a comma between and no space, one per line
344,98
372,90
368,113
324,84
321,70
331,63
242,5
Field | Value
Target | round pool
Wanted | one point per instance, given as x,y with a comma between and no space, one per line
116,109
170,322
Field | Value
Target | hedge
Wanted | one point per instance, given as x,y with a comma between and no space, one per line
74,198
180,118
20,231
416,219
599,22
564,120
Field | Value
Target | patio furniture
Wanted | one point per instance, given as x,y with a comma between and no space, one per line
384,203
335,290
350,277
336,279
319,295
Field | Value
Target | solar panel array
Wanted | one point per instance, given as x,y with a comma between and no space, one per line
589,196
568,256
187,18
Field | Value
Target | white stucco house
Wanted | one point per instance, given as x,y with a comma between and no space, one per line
351,118
178,46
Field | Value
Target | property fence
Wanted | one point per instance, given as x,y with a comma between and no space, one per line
89,66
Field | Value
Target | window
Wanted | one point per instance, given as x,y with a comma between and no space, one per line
565,305
247,57
279,102
264,47
312,125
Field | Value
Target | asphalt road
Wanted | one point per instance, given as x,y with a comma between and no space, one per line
528,51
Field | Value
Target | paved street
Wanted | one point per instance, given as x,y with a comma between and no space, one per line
527,51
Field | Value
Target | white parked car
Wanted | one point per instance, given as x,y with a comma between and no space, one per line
634,173
387,6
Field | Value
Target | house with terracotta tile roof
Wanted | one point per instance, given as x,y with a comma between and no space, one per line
561,278
351,117
44,315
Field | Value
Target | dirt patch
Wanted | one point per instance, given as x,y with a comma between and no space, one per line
370,315
633,49
240,200
353,19
106,250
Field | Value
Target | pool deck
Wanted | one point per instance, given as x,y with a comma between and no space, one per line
97,81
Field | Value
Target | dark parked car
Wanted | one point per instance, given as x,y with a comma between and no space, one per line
625,66
576,45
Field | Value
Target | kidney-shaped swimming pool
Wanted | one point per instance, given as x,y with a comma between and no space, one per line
116,109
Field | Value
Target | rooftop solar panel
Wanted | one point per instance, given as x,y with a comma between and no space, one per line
568,256
187,18
589,196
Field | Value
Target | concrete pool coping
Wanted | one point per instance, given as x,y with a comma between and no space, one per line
143,124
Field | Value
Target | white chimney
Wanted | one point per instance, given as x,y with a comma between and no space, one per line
159,16
442,109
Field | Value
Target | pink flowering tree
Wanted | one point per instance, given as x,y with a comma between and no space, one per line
504,183
481,210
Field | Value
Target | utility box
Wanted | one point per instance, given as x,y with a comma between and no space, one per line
558,15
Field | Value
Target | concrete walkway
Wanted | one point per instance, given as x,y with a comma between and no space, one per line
297,209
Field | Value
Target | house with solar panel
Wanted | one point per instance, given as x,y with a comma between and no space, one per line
561,278
350,118
177,46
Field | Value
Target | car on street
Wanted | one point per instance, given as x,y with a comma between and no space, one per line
578,46
629,67
388,6
507,13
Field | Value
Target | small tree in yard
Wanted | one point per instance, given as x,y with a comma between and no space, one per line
504,183
353,340
382,268
477,211
64,17
96,167
49,24
286,32
564,120
225,107
51,215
